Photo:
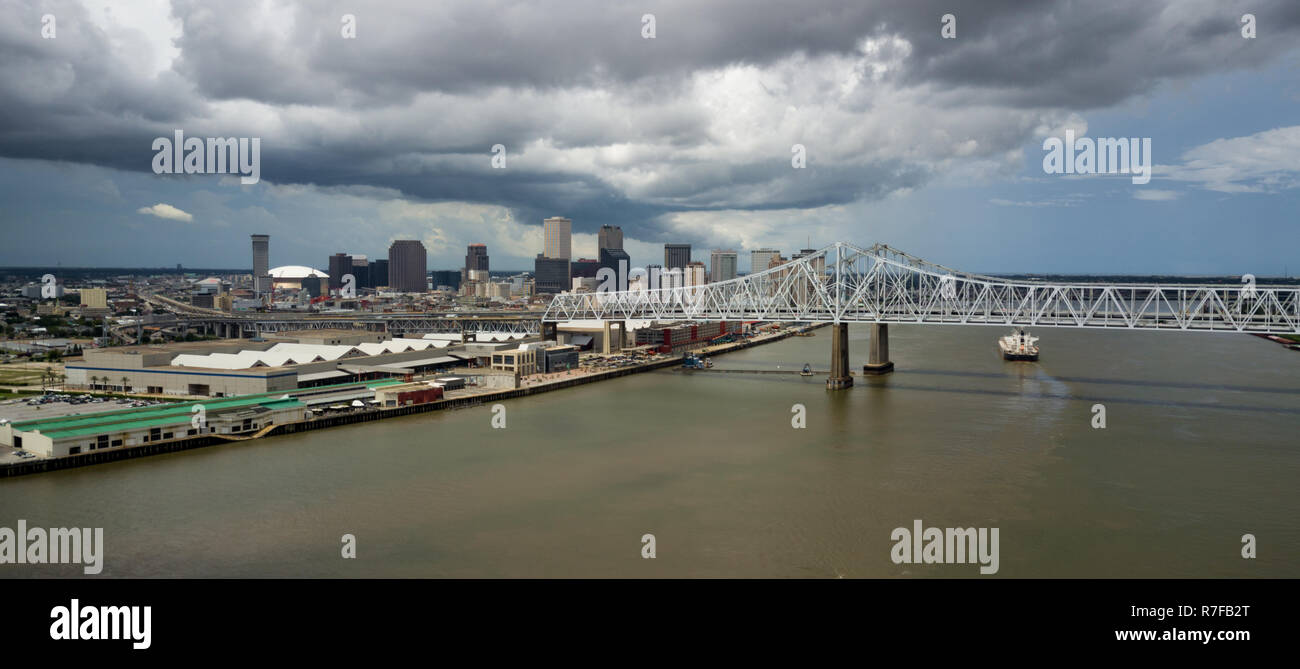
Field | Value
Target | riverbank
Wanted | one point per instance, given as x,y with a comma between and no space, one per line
39,465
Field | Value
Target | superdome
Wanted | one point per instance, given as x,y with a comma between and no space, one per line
295,273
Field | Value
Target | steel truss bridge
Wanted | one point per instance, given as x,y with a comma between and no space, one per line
843,283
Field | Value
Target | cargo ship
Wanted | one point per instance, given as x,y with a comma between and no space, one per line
1019,345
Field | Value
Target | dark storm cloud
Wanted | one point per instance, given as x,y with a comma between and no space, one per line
417,100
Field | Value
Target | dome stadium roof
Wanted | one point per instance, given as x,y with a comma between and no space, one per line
295,272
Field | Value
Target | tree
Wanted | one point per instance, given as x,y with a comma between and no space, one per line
93,381
125,381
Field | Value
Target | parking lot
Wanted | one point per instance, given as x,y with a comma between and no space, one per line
54,405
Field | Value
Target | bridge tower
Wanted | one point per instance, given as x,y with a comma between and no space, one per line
840,377
878,361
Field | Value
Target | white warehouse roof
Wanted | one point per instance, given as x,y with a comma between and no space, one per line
283,354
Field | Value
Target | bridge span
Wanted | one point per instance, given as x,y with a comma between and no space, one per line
843,283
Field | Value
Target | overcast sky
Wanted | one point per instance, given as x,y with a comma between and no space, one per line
931,145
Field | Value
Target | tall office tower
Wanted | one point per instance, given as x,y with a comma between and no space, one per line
379,273
761,259
616,260
340,264
261,263
408,266
552,274
609,237
476,257
557,234
722,265
676,256
361,271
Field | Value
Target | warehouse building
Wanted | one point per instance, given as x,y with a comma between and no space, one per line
73,435
243,367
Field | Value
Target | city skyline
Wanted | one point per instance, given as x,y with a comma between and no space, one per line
928,144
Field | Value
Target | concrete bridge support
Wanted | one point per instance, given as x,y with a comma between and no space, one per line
613,343
878,361
840,377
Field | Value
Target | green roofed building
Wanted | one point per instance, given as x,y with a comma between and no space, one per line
236,416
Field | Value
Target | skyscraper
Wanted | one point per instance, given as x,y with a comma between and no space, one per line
407,266
361,271
261,263
676,256
617,261
379,272
609,237
722,265
476,257
761,259
340,264
557,234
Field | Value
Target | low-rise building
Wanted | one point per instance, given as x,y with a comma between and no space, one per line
557,359
521,361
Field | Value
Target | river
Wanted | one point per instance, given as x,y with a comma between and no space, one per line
1201,446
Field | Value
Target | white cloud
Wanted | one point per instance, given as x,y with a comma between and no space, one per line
163,210
1156,195
1264,162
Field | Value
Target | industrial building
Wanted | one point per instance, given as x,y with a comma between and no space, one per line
240,367
678,337
72,435
233,417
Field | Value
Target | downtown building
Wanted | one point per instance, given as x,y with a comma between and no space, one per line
761,259
677,256
610,253
408,266
722,265
339,265
261,264
557,237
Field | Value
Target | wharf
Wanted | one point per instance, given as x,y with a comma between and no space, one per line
488,396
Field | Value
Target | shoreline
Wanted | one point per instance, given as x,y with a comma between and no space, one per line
41,465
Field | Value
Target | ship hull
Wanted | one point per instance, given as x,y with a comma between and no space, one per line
1010,353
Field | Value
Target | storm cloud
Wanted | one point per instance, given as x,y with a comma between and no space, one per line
598,123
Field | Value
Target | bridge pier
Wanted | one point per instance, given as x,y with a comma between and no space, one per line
878,361
550,331
610,345
840,377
